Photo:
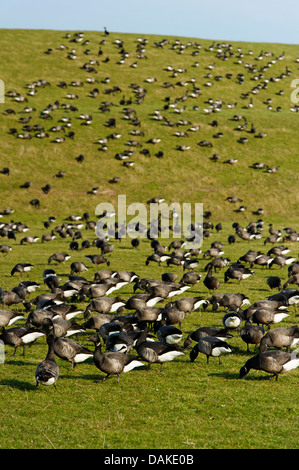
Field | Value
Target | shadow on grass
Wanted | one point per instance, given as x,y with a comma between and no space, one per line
19,384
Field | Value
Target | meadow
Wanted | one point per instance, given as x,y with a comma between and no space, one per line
160,87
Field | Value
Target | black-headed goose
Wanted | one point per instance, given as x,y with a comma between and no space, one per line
273,362
7,318
204,331
252,334
113,363
155,352
20,336
65,348
285,337
103,305
47,371
210,346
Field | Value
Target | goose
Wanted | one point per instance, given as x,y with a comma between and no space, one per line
8,318
10,298
138,301
155,352
272,362
190,278
210,346
268,316
121,341
232,321
252,334
63,328
286,337
104,305
211,282
204,331
237,271
217,263
59,257
21,268
66,311
5,249
169,334
78,267
169,277
292,280
97,259
96,321
278,250
112,363
188,304
47,371
274,282
282,260
232,299
166,290
148,314
127,276
20,336
65,348
171,316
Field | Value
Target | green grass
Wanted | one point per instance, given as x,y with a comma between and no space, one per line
188,405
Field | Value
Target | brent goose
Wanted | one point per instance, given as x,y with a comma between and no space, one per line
47,371
154,351
112,363
285,337
272,362
20,336
251,334
210,346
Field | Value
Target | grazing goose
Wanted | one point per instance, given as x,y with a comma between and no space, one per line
59,257
148,314
20,336
237,271
188,304
97,259
121,341
47,371
21,268
112,363
96,321
172,316
169,334
210,346
10,298
65,328
272,362
78,267
103,305
7,318
282,260
267,316
292,280
287,337
204,331
65,348
274,282
251,334
66,311
190,278
155,352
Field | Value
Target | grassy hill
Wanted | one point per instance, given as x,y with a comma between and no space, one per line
210,91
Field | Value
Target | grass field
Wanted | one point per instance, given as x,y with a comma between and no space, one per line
187,405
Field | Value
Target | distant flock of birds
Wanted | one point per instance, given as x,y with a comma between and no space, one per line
176,106
153,332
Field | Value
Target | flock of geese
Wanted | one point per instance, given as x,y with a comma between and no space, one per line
137,332
147,328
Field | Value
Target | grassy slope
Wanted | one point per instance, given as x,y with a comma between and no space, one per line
212,408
